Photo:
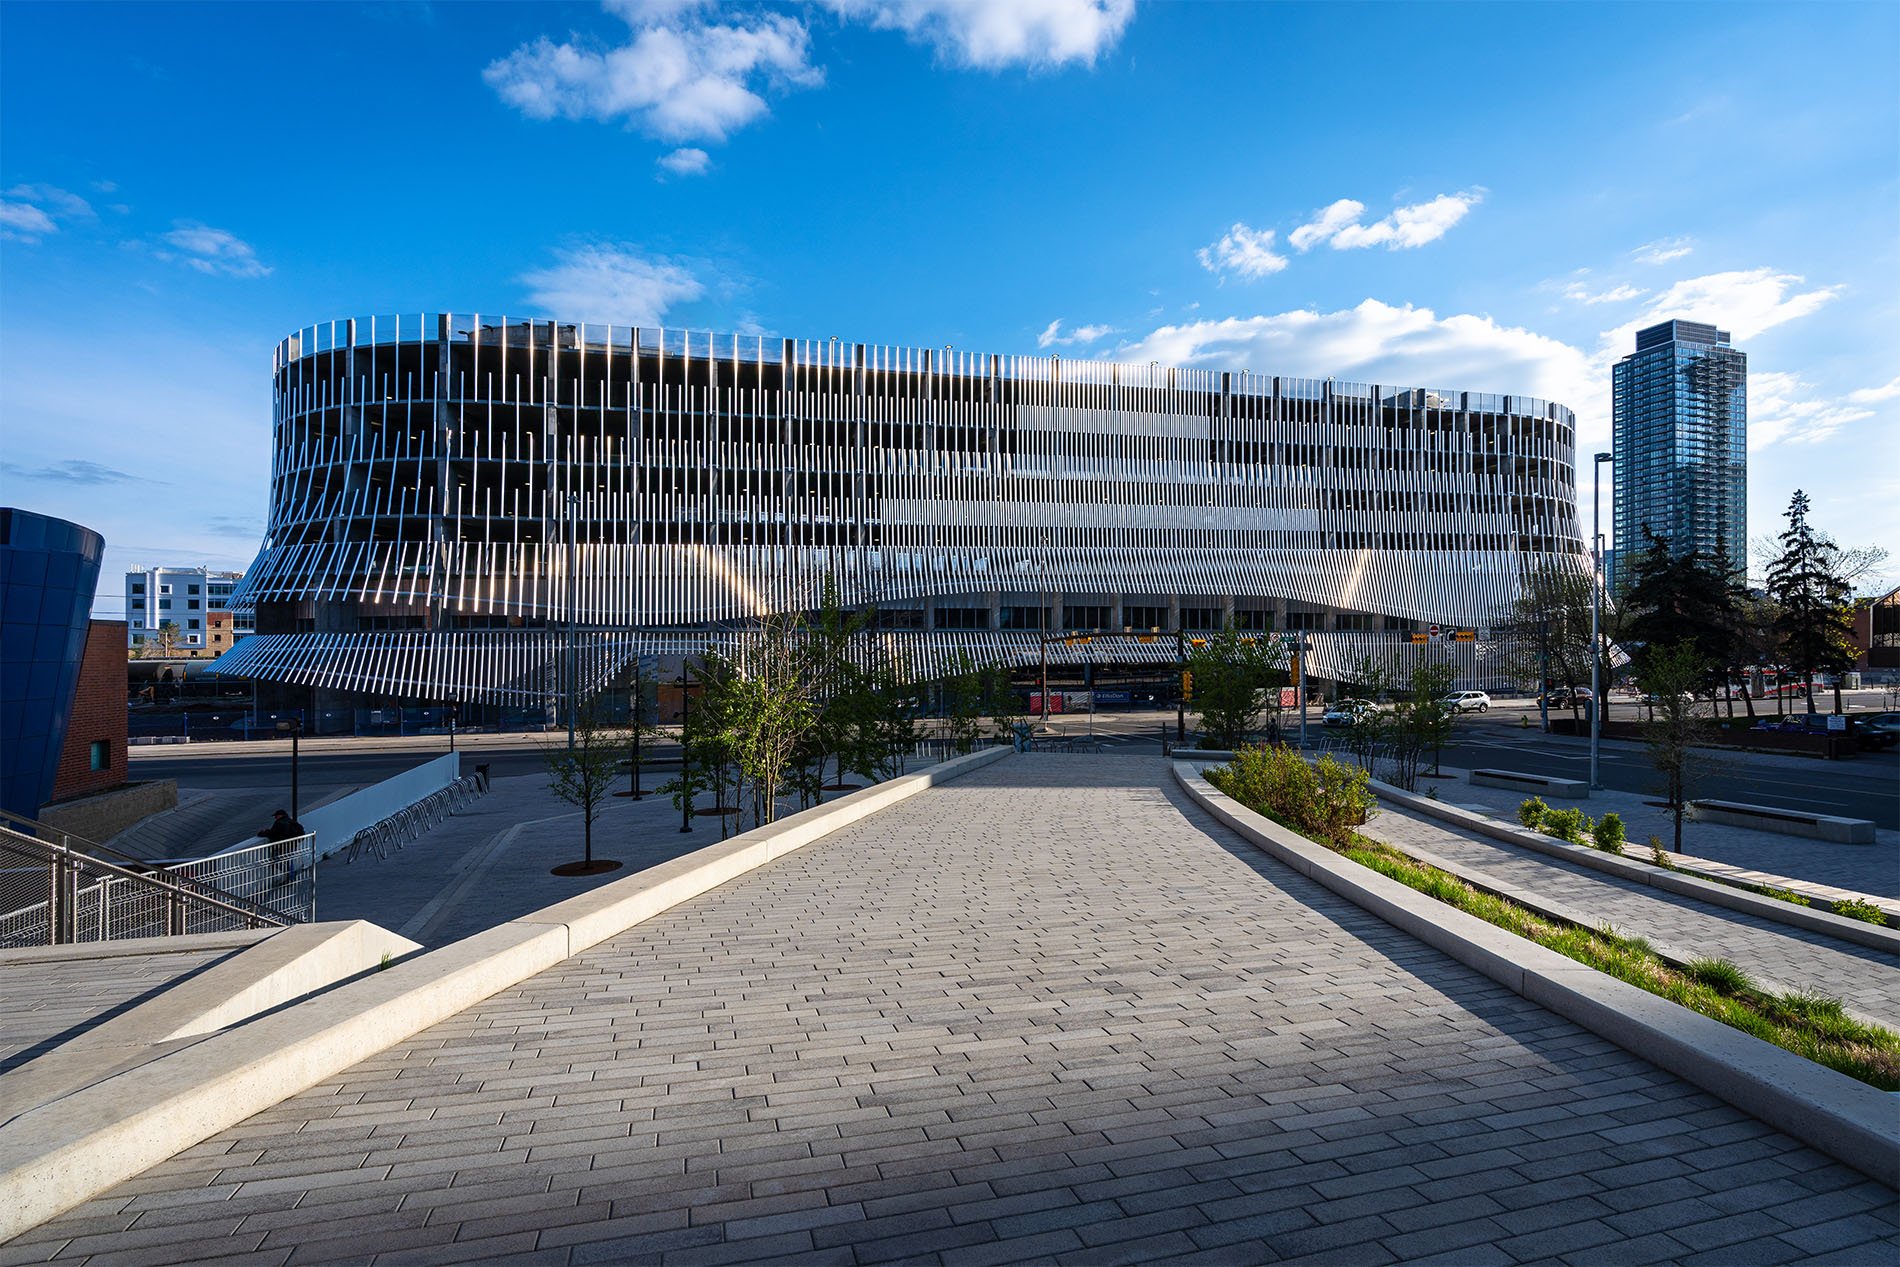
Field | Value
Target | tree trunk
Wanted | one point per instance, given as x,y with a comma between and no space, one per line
1837,694
587,836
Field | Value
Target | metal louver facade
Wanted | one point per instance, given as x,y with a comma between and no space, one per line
449,492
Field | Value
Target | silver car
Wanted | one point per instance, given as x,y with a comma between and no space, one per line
1468,701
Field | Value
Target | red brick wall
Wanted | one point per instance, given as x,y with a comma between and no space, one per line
98,713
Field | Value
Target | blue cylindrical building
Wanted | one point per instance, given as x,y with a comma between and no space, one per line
49,570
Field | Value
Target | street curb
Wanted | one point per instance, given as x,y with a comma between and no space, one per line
1840,1116
1873,936
55,1157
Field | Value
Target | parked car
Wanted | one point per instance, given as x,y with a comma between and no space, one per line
1562,695
1468,701
1864,736
1348,712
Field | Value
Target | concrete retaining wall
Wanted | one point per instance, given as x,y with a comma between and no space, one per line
104,815
1841,1116
55,1157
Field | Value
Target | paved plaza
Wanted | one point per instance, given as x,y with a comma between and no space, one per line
1049,1010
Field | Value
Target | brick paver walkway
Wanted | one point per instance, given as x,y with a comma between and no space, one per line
1867,980
1048,1010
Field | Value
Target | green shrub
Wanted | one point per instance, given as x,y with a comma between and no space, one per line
1608,833
1566,824
1531,813
1719,975
1781,895
1854,908
1659,855
1325,799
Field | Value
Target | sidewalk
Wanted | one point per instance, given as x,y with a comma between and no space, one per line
492,862
1778,956
1830,869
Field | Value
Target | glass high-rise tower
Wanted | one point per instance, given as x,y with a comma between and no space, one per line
1680,439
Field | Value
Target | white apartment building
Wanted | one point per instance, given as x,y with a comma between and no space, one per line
181,596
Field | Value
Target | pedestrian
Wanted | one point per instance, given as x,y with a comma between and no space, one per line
283,833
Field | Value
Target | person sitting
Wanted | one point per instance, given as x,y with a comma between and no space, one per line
283,833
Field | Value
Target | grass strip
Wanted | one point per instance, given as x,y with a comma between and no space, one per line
1810,1025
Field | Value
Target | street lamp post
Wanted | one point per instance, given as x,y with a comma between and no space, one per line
454,708
686,786
573,669
294,728
639,706
1596,613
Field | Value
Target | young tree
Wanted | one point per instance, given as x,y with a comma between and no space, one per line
1545,634
1670,674
768,710
583,777
831,650
999,702
963,704
1421,722
1234,677
165,641
1816,621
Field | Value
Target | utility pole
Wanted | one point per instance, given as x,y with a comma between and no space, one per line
1596,614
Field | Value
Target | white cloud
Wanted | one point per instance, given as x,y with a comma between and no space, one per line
676,76
1782,409
1052,335
1744,302
1329,222
1874,395
1407,227
609,283
209,250
1582,294
686,162
1662,250
993,34
22,222
1248,252
31,212
1401,346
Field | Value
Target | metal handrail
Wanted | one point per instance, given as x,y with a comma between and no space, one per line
18,825
65,865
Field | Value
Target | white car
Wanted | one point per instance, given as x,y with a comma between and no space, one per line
1468,701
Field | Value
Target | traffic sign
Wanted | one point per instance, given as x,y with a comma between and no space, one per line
1465,635
1418,637
1434,631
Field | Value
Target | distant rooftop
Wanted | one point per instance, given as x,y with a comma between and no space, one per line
1678,332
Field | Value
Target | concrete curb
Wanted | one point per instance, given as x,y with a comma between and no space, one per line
60,1155
289,964
1842,1117
1873,936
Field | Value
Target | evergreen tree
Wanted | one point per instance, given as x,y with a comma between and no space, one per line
1682,599
1816,621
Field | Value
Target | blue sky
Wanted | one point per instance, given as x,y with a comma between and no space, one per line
1487,197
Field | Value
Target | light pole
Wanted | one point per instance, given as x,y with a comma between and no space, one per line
1596,613
686,785
294,728
639,707
454,708
573,669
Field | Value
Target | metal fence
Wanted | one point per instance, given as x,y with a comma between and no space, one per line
392,833
53,894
